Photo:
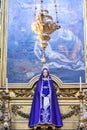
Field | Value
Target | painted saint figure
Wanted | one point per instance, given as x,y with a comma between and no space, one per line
45,108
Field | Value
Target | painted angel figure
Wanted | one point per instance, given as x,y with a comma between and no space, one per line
45,108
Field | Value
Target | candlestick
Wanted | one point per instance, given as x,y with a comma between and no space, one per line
80,84
7,85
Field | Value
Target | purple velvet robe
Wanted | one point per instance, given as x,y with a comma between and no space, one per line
56,119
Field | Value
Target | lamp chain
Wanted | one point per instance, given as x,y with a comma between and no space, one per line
56,11
35,8
41,6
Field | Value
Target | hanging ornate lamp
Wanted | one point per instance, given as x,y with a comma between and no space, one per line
44,26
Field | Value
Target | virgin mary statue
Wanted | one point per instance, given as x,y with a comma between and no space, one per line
45,108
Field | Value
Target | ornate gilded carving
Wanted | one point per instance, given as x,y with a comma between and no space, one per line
5,112
85,95
45,127
23,93
83,111
74,111
67,94
32,84
16,111
30,93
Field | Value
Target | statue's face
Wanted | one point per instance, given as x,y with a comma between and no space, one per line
45,73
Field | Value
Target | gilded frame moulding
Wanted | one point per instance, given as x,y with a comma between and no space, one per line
4,23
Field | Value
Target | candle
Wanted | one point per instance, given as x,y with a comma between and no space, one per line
7,85
80,84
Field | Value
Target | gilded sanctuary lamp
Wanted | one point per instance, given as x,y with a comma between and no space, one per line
44,26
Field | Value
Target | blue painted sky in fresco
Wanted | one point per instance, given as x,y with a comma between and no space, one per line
65,52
